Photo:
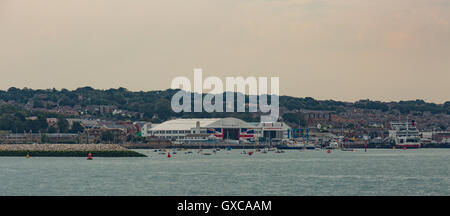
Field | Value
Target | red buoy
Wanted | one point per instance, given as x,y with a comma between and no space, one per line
250,153
89,156
328,151
168,155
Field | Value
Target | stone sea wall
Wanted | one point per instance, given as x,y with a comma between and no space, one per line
67,150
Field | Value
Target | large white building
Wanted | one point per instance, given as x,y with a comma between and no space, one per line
218,128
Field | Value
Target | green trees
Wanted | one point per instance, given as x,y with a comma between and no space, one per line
38,103
52,129
38,125
17,120
63,125
295,118
66,101
14,119
10,122
76,128
107,136
163,109
157,103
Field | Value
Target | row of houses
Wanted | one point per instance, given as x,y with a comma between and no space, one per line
24,138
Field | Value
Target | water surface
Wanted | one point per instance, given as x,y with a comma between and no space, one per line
376,172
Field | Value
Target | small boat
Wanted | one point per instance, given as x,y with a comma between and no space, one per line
162,153
188,152
207,153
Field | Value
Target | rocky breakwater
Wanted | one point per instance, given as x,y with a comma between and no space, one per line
67,150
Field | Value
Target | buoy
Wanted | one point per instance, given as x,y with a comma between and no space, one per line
168,155
328,151
28,156
89,156
250,153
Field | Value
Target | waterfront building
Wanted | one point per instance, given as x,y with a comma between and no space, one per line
105,134
274,130
217,128
441,136
24,138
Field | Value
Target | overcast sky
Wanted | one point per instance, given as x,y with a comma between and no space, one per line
326,49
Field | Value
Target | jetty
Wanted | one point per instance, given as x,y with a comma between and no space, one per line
67,150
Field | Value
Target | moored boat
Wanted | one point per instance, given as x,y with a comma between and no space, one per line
405,135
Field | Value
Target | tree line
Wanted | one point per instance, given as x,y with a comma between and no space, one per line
13,118
155,105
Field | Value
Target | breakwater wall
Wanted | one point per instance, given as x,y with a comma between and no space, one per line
67,150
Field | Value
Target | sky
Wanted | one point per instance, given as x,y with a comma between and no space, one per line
326,49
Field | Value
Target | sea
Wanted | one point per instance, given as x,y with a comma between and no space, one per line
377,172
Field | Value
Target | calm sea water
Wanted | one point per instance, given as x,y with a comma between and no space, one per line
376,172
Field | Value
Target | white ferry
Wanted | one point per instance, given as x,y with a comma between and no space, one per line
405,134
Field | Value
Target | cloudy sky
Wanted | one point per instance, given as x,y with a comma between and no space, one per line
327,49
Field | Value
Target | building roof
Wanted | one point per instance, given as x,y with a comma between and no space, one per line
187,124
85,122
184,124
230,122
